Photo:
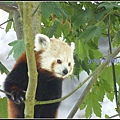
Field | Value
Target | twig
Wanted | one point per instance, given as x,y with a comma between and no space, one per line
1,28
115,115
113,66
117,15
66,96
6,21
35,10
96,75
5,92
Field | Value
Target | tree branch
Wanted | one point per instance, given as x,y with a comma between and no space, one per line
36,19
92,81
18,25
31,63
7,7
113,66
115,115
66,96
6,21
5,92
13,9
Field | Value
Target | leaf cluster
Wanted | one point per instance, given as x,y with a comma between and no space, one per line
84,23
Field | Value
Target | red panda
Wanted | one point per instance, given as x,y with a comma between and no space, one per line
55,62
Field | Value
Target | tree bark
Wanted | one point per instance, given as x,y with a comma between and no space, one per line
32,71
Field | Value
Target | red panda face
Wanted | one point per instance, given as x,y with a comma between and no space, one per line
57,57
62,67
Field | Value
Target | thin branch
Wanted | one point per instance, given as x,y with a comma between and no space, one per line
5,92
1,27
115,115
92,81
98,23
36,18
7,7
6,21
66,96
36,10
113,66
97,71
117,15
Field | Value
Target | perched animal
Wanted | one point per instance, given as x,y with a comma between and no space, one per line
55,62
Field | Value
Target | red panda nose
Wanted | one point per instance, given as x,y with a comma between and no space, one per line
65,71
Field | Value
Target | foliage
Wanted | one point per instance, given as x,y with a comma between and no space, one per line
3,69
3,107
18,47
83,23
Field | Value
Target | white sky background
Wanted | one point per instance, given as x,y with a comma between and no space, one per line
67,105
5,38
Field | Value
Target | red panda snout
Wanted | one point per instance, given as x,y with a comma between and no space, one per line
65,71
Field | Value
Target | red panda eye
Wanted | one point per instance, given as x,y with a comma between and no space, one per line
59,61
69,64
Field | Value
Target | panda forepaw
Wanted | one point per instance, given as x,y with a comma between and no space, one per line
18,96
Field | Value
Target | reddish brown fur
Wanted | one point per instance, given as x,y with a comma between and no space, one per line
21,59
53,64
12,113
56,116
38,58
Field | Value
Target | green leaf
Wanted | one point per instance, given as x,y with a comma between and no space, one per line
118,80
80,17
91,32
88,110
82,106
92,103
98,91
97,108
66,29
9,24
3,69
117,37
18,48
108,80
109,5
54,30
84,66
53,8
77,67
58,29
99,15
106,116
3,108
110,96
92,45
80,49
106,86
109,77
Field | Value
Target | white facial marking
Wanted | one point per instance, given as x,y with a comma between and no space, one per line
57,56
60,69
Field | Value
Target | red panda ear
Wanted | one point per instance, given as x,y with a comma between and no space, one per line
72,44
41,42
